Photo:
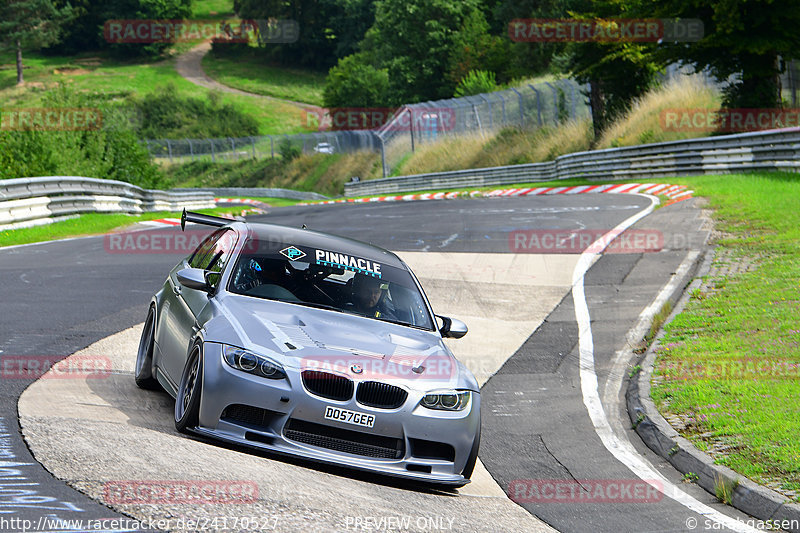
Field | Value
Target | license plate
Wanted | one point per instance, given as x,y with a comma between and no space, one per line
349,417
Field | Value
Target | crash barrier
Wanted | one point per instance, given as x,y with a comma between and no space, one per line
257,192
765,150
29,201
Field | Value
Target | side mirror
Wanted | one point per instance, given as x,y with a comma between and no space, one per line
452,327
193,278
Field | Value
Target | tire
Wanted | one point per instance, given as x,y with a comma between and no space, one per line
473,455
143,373
187,402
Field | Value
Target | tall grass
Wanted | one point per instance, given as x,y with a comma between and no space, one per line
642,123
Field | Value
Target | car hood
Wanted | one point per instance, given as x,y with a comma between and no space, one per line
363,348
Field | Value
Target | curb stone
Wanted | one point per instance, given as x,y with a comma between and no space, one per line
748,496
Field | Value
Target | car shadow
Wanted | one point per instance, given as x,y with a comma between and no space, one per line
153,410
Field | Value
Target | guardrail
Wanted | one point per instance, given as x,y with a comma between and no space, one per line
29,201
766,150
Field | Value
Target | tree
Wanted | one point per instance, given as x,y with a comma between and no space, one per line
415,40
616,73
85,31
329,29
748,39
30,25
355,83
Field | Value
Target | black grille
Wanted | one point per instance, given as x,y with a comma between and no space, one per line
383,395
328,385
344,440
247,414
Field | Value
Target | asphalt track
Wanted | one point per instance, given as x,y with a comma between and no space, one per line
60,297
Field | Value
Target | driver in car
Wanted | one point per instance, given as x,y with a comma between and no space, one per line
369,299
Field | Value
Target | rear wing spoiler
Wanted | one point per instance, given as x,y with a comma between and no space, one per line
199,218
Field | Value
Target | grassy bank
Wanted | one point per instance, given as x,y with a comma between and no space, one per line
119,79
99,223
322,173
249,72
728,368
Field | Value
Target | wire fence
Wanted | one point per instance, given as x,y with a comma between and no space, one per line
261,147
529,106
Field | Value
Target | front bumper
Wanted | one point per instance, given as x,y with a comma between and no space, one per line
283,416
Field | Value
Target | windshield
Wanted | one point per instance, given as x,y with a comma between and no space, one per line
330,280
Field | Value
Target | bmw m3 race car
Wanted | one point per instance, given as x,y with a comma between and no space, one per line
311,345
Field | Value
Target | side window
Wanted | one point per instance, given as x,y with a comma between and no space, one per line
219,255
203,254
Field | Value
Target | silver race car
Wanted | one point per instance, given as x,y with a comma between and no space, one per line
311,345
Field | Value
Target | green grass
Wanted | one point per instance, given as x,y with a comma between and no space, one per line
728,364
118,79
274,202
99,223
212,9
250,73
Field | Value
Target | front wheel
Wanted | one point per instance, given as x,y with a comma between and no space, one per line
143,373
187,402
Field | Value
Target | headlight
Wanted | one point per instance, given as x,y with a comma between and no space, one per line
446,400
252,363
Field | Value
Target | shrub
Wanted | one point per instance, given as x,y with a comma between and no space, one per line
476,82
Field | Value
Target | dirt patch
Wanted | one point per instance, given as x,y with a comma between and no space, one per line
71,71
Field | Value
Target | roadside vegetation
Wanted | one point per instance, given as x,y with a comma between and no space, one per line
322,173
249,71
99,223
728,367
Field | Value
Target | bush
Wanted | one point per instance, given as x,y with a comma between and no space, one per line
111,152
166,114
476,82
288,151
355,83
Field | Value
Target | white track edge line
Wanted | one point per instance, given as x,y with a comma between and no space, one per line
623,451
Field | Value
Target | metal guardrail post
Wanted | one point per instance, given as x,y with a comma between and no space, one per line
191,150
169,149
555,101
572,99
521,108
491,118
233,148
253,140
272,146
503,105
411,126
477,118
383,155
213,158
538,104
